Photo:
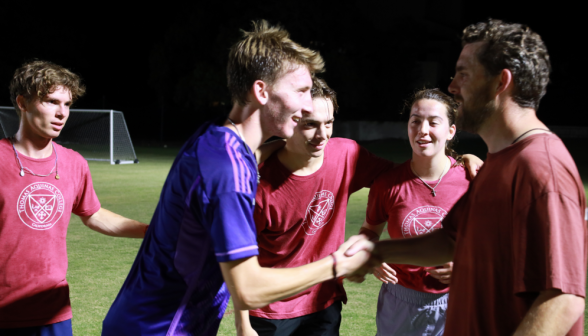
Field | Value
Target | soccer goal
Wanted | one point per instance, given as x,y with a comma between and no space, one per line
98,135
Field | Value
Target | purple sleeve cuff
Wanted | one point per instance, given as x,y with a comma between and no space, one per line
240,253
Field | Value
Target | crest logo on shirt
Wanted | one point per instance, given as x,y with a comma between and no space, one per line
40,205
319,212
423,220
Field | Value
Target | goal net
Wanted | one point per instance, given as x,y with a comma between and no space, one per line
98,135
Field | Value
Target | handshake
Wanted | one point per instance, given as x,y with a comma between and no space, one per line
356,257
359,256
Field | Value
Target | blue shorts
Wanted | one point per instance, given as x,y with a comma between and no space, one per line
62,328
404,311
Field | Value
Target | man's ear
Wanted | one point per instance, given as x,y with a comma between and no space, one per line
504,81
21,101
260,92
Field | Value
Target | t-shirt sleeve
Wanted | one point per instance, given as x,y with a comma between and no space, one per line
86,202
550,247
376,212
232,227
369,167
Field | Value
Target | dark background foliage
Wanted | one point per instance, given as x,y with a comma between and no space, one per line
164,65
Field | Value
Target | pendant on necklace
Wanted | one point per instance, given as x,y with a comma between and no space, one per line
21,172
433,193
56,176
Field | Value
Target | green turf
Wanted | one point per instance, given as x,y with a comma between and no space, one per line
99,264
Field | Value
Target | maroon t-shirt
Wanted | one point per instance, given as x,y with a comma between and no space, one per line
519,230
406,203
301,219
34,215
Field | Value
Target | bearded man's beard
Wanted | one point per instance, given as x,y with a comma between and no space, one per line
472,117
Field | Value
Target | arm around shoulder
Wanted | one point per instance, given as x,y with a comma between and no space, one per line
267,149
111,224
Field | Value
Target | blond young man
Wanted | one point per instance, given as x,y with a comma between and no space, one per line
518,236
42,184
202,244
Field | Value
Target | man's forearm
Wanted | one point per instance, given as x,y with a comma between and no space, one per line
253,286
431,249
242,323
552,313
111,224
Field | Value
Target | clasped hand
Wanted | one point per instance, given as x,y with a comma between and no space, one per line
356,258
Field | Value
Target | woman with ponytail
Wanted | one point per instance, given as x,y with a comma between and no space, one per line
414,198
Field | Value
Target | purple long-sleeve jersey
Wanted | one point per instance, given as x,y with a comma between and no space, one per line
204,216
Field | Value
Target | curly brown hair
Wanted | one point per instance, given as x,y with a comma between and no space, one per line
451,109
320,89
517,48
38,78
265,54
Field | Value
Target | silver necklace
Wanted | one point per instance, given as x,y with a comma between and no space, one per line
432,188
246,146
23,169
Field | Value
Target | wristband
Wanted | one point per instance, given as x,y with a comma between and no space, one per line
334,266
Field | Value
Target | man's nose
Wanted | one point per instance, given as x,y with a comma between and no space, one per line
321,132
452,86
62,111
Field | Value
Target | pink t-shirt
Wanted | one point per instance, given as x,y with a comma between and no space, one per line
34,215
518,230
406,203
301,219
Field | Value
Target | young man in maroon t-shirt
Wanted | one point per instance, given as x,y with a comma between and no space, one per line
300,211
518,236
43,183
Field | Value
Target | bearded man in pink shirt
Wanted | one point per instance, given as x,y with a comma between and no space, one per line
518,236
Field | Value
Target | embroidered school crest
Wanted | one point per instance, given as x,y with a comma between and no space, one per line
319,212
423,220
40,205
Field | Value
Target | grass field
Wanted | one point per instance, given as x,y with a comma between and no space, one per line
99,264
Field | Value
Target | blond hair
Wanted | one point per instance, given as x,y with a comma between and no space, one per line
265,54
37,79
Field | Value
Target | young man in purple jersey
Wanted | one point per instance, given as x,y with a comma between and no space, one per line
201,246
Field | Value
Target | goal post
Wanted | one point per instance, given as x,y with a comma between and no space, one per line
98,135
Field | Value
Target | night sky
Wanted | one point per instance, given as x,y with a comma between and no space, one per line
164,66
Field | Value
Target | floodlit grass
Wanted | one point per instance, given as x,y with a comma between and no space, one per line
98,265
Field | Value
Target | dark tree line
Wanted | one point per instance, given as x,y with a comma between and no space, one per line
164,66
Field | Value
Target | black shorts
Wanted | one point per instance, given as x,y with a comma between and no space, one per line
322,323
